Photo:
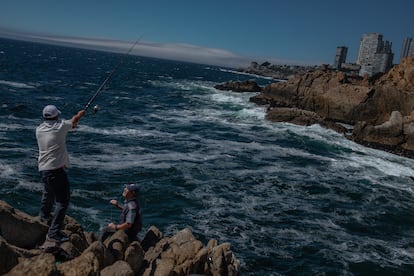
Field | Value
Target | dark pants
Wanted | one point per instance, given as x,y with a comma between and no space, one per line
56,191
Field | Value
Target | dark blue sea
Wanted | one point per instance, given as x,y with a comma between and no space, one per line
291,200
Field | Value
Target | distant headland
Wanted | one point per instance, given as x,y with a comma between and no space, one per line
279,72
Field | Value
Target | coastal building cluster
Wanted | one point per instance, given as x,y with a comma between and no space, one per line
374,56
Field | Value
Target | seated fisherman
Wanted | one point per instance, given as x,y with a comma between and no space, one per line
130,219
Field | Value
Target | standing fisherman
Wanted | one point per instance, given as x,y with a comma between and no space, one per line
52,162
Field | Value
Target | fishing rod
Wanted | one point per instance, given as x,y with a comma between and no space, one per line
108,78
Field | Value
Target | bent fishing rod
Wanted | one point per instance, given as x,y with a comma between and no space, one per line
108,78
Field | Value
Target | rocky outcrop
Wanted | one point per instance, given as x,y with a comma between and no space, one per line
275,71
236,86
301,117
84,254
379,109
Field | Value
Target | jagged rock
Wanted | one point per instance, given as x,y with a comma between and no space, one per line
388,133
240,86
134,256
400,76
294,115
301,117
8,258
90,237
181,254
20,229
116,244
76,245
323,93
119,268
43,264
89,263
152,237
183,246
161,267
223,261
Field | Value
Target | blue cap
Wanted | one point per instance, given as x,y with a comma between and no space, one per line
132,187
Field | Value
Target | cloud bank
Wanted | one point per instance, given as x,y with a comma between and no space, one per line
171,51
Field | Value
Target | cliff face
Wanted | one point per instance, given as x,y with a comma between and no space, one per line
379,109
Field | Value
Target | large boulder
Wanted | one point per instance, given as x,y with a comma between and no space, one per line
134,256
89,263
43,264
398,131
119,268
19,228
8,257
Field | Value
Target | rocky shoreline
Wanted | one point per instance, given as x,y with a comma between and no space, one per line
379,110
85,254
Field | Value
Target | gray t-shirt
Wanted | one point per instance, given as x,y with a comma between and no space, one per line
51,139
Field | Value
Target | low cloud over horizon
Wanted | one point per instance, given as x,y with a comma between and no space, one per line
171,51
180,52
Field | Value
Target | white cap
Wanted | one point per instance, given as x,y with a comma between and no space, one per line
50,112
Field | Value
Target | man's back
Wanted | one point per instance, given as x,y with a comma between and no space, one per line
51,139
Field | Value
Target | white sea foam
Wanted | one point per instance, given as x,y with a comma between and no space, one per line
51,98
258,113
122,131
85,194
30,186
17,84
90,212
6,170
183,85
247,74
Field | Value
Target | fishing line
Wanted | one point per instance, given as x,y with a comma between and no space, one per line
109,77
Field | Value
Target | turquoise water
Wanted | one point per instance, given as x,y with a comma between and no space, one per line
290,199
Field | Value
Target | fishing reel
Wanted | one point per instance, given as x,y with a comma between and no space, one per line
95,109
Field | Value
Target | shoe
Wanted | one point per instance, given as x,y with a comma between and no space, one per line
63,237
54,239
47,221
58,238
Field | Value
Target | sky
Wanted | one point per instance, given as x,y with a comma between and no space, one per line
221,32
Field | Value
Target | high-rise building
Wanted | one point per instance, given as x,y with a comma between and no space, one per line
340,56
375,55
408,48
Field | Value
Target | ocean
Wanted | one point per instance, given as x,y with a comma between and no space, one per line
291,200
